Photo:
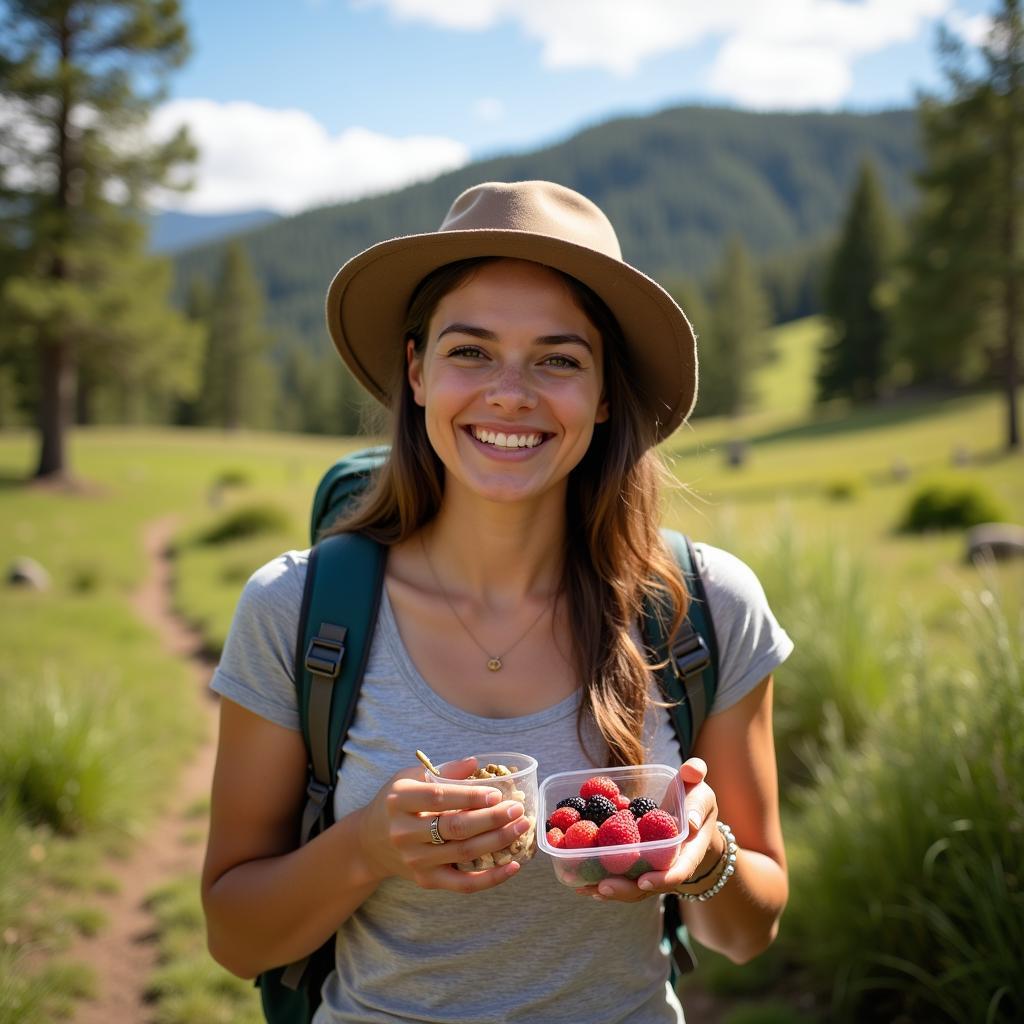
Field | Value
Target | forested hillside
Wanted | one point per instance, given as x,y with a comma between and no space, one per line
676,184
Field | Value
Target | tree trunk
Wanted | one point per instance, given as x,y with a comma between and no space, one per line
57,388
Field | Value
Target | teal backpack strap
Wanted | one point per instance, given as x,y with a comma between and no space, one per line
689,679
340,602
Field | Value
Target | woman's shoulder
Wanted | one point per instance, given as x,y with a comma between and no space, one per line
279,582
728,577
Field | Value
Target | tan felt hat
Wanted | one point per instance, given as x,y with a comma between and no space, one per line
528,220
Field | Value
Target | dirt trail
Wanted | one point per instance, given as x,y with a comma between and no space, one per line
123,955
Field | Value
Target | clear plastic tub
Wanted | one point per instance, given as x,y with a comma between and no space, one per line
520,785
588,866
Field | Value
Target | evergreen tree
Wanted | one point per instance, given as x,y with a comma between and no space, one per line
738,318
72,191
960,309
853,361
238,382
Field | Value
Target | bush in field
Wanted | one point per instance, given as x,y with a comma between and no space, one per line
907,883
233,476
246,521
62,762
950,506
843,661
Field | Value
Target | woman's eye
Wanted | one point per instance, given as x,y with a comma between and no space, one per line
466,352
561,362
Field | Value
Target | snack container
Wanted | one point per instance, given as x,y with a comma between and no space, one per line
520,785
588,866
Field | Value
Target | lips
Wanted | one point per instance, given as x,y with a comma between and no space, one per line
507,439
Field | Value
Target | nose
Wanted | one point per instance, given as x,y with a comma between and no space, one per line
510,390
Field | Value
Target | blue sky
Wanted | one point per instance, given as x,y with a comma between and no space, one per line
311,101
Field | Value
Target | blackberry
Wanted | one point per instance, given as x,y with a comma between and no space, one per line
640,805
598,808
576,802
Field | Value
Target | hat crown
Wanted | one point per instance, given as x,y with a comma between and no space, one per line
537,207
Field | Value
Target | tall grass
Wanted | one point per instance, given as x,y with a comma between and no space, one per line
908,860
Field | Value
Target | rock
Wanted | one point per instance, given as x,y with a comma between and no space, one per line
998,541
27,572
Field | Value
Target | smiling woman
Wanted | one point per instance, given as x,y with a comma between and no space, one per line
530,373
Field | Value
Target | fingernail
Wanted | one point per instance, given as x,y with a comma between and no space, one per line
695,820
600,899
515,811
521,826
645,885
605,890
493,797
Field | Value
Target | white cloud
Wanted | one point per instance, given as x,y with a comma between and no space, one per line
789,52
284,160
972,29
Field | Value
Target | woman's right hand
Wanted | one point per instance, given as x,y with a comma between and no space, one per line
473,820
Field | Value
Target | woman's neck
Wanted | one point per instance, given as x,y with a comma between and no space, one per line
495,552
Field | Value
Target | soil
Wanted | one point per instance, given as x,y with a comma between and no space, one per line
123,954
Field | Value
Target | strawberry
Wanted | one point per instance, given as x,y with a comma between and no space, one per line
655,825
621,802
599,785
556,838
563,817
580,836
619,830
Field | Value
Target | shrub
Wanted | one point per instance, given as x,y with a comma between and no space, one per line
908,896
842,489
246,521
233,476
950,506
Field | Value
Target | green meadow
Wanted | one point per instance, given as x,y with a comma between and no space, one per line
900,699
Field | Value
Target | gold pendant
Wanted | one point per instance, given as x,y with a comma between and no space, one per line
494,664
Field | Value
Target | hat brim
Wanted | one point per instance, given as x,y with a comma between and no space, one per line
369,296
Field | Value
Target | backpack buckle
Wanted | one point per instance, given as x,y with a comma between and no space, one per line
317,792
689,654
324,656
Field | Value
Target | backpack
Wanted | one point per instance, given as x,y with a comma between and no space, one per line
344,578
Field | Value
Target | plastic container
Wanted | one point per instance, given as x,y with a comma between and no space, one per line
587,867
520,785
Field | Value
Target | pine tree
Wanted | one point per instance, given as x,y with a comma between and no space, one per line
960,310
738,318
75,179
854,361
238,383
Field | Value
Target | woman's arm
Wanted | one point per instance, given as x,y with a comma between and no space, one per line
742,920
268,903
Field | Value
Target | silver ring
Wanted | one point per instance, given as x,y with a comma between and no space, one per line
435,833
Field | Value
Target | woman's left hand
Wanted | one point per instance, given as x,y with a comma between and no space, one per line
702,813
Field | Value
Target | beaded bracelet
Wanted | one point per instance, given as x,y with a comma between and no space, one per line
729,860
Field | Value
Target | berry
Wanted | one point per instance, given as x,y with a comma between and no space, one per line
656,825
621,802
641,805
580,836
556,838
619,830
599,785
563,817
591,871
598,808
573,801
641,867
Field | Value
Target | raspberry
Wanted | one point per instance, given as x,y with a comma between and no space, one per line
573,801
656,825
599,785
580,836
619,830
598,808
563,817
621,802
556,838
641,805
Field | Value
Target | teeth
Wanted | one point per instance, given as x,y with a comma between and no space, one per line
502,440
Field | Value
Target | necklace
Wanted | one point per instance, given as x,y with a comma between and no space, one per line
494,661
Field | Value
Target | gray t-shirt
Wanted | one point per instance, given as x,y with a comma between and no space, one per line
530,949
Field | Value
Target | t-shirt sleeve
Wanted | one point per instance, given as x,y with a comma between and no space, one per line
257,666
751,643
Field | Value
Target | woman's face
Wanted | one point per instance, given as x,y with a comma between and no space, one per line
511,381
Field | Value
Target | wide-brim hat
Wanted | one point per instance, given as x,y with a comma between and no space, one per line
529,220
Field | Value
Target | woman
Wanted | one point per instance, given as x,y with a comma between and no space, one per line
530,373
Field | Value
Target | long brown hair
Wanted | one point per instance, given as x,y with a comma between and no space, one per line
615,559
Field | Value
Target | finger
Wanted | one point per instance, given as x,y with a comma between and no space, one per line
460,769
465,850
456,825
622,890
701,804
448,877
412,796
693,771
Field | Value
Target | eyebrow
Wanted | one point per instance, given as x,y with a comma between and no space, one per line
485,335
